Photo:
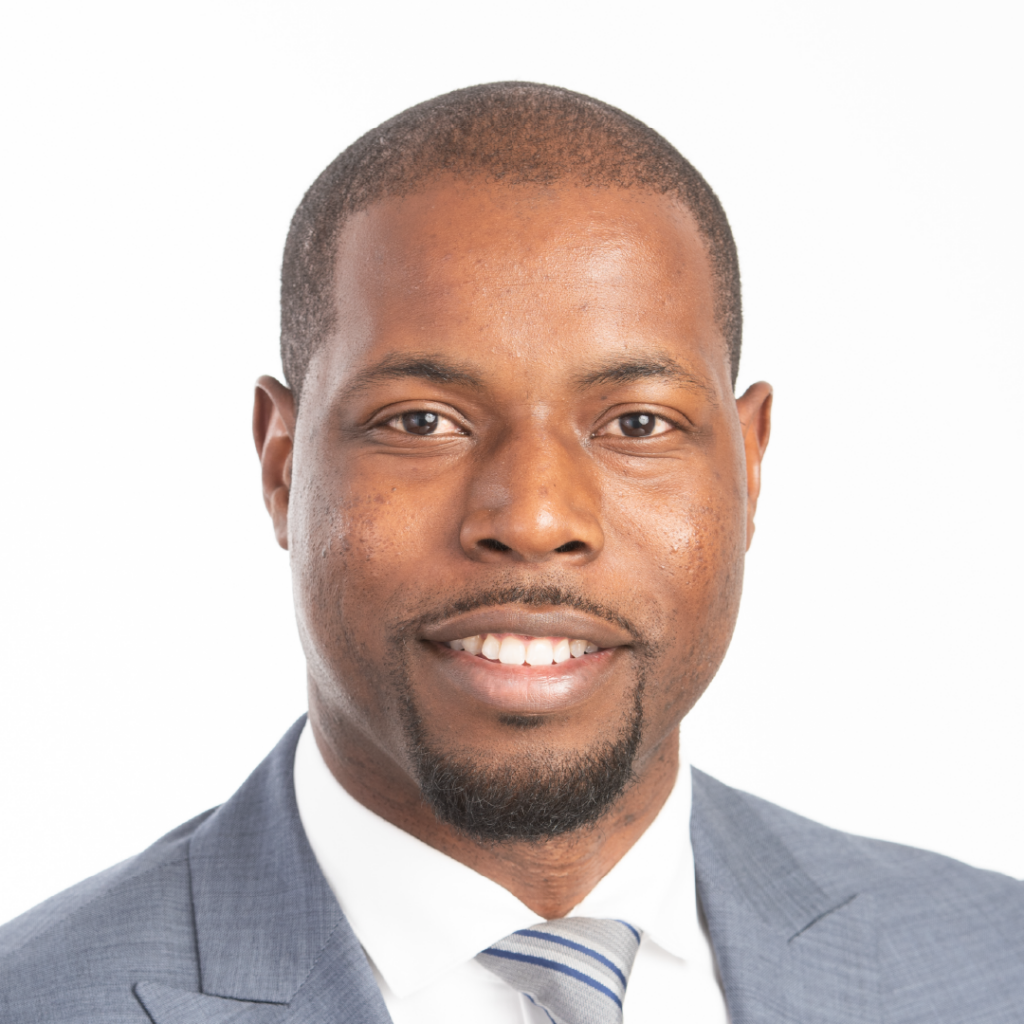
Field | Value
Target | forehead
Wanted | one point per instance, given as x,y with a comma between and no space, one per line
536,276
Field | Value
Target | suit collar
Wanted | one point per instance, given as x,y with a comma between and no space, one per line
742,855
789,946
263,910
272,942
275,948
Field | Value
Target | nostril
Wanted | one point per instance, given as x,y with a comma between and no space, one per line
493,545
573,545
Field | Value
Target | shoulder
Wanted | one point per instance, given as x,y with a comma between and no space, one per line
132,920
840,859
930,913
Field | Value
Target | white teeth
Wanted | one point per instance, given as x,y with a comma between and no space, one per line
538,652
512,652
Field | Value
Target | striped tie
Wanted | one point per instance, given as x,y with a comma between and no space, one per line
575,968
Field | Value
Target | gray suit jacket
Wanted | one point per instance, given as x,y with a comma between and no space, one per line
228,918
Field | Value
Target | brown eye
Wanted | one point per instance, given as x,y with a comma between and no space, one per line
638,424
424,423
420,422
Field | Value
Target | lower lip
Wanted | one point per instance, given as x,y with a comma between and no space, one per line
526,689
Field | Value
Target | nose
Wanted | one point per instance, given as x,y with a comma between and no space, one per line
533,498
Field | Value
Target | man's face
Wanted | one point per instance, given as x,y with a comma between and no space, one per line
522,428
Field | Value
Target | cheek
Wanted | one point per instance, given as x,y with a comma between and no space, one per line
342,544
687,531
346,549
360,547
682,546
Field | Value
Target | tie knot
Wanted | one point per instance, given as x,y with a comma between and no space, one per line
576,968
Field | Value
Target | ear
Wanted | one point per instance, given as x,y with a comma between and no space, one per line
273,430
755,410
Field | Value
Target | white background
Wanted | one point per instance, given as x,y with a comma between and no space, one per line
869,157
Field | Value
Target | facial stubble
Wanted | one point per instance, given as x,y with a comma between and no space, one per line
539,794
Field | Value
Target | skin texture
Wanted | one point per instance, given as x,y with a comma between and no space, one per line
552,312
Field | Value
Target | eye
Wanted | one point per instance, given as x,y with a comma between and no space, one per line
423,422
639,424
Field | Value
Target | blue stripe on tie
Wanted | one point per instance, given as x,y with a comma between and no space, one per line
630,927
553,966
539,1007
574,945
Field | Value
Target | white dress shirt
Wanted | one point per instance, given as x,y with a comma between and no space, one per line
422,917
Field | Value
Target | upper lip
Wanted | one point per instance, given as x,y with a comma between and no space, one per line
555,621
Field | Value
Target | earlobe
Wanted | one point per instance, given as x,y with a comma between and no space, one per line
755,411
273,431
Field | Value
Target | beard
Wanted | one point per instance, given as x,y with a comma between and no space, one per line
541,794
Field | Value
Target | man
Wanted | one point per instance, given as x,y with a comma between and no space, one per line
517,492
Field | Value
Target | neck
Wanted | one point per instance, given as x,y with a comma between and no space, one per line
550,875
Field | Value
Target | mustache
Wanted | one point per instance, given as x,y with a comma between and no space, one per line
546,595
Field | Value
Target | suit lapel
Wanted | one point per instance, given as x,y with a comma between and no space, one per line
788,948
167,1005
273,945
339,989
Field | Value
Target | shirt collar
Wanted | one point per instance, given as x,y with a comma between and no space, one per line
419,914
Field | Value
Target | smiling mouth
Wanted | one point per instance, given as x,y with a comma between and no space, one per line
519,649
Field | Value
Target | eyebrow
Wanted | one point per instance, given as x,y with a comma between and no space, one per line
440,369
397,366
629,371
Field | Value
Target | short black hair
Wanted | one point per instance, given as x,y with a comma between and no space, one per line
517,133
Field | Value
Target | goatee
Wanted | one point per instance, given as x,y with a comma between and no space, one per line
538,796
